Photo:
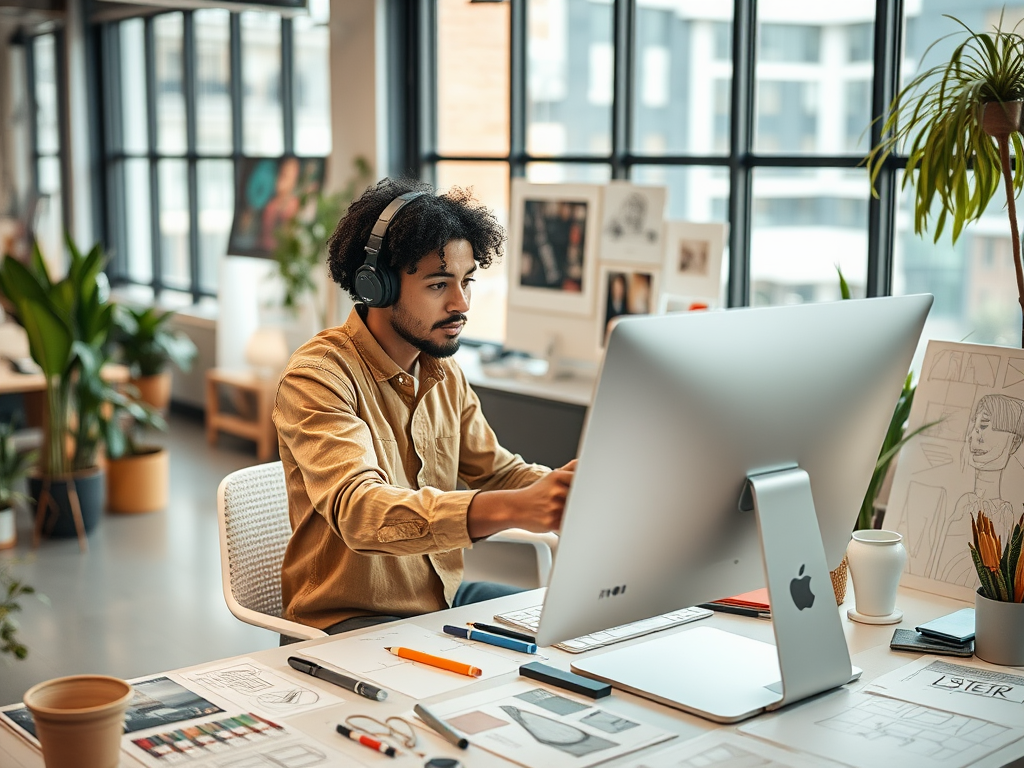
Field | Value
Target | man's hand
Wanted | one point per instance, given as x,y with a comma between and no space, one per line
537,507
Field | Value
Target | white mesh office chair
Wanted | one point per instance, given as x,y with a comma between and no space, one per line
252,507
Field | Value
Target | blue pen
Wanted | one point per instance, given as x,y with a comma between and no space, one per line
484,637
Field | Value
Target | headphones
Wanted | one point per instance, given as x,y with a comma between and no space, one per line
377,284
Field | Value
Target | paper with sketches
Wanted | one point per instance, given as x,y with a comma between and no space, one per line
632,221
968,689
156,702
724,749
239,741
537,728
968,462
256,687
868,731
364,656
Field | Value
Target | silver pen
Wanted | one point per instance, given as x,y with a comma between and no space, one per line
348,683
442,728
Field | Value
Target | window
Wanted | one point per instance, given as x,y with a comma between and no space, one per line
195,91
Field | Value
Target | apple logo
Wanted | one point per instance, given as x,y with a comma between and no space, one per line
800,589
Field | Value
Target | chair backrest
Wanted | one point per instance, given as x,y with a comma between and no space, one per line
253,506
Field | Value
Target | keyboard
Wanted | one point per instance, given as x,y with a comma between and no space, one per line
529,619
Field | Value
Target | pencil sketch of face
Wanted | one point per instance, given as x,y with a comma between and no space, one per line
995,432
693,257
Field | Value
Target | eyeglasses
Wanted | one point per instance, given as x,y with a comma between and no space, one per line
395,728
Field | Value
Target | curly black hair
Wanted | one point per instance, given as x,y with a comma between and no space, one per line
425,224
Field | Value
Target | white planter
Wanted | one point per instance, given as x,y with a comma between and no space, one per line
876,562
998,631
8,531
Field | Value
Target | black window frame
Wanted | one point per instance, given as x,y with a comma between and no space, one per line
741,161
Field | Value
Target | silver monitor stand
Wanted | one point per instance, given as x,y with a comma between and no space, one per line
726,677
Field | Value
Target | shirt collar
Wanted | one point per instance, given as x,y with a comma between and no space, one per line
383,367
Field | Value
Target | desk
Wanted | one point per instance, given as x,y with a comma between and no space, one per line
869,646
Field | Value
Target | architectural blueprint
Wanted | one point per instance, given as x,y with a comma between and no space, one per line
722,749
967,462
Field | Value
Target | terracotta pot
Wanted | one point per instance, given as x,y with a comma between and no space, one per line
1001,119
139,483
80,719
154,390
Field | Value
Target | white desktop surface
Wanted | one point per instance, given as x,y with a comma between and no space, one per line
577,389
869,647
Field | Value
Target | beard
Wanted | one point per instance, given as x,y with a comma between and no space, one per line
409,329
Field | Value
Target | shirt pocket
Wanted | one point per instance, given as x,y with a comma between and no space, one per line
446,466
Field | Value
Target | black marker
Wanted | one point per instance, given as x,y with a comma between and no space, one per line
348,683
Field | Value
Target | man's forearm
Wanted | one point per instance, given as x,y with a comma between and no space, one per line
489,513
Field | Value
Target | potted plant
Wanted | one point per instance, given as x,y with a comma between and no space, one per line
138,474
13,467
11,591
302,241
999,602
148,347
957,120
68,323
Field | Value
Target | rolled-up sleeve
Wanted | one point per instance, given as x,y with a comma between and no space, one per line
343,462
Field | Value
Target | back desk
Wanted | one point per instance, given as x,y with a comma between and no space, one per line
869,647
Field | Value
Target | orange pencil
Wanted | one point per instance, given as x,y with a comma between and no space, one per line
436,661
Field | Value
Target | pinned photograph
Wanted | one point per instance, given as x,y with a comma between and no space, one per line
631,227
693,259
552,242
626,292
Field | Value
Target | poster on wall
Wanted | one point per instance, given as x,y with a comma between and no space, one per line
967,462
553,245
632,223
693,258
270,192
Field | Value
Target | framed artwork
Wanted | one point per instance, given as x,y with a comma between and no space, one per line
632,223
553,246
270,192
625,290
693,258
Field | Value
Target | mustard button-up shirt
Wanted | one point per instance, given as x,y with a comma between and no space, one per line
352,427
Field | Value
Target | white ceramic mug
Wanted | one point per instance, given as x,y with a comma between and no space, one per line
876,562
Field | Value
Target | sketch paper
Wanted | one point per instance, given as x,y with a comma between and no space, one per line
868,731
254,686
724,749
157,702
537,728
364,656
968,689
968,462
241,741
632,223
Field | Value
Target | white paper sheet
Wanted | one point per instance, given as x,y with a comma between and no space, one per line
725,749
239,740
967,688
868,731
969,461
537,728
255,687
364,656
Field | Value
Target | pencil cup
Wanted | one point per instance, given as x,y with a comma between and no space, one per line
79,720
876,562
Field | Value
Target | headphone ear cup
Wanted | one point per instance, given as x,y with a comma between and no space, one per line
377,285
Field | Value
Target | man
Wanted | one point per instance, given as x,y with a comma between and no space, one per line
377,424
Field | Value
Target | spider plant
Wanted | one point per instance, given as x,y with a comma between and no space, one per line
956,117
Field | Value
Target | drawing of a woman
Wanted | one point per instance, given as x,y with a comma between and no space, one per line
996,432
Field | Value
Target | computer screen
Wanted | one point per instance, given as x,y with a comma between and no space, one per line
687,408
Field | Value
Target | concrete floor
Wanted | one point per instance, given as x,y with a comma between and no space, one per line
147,595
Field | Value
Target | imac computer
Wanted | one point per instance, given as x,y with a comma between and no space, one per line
723,452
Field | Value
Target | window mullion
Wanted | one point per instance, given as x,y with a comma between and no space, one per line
189,82
741,132
517,89
154,175
882,209
622,85
287,81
